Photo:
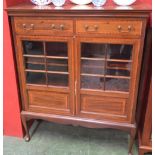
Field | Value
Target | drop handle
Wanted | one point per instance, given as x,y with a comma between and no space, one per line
120,29
86,27
62,27
53,26
96,27
24,26
30,27
129,28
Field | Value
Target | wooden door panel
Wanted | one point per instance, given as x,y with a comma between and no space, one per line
108,66
49,101
101,105
47,76
101,108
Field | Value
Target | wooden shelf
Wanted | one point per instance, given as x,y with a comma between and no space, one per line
118,68
95,59
104,59
48,64
106,76
118,60
44,71
102,67
44,56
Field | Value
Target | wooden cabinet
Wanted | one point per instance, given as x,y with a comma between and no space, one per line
79,67
145,130
144,110
46,71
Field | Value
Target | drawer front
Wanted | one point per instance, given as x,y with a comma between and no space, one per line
34,26
102,108
109,26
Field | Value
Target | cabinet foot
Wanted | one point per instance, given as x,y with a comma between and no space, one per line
27,136
132,139
141,152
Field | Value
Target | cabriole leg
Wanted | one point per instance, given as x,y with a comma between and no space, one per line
24,121
132,139
141,151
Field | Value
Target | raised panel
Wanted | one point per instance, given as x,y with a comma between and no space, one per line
103,108
103,105
49,100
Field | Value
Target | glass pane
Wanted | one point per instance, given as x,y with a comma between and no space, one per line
117,72
36,78
93,50
56,49
33,47
35,66
57,79
57,65
106,66
93,67
118,68
90,82
34,60
113,84
119,51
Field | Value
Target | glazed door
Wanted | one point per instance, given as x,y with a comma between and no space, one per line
107,78
46,74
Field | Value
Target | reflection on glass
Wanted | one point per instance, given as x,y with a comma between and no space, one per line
33,47
106,66
56,49
93,67
57,80
117,72
57,65
35,66
35,78
118,51
34,60
34,63
118,68
93,50
90,82
114,84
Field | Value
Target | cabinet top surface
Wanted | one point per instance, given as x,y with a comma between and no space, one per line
69,7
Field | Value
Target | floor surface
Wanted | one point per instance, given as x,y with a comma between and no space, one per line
54,139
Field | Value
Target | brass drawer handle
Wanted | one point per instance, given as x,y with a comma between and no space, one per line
62,27
31,27
25,27
53,26
120,29
58,27
94,28
86,27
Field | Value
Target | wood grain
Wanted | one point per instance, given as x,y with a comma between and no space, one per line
73,104
109,27
43,26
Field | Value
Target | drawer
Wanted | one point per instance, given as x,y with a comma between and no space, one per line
109,26
40,26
